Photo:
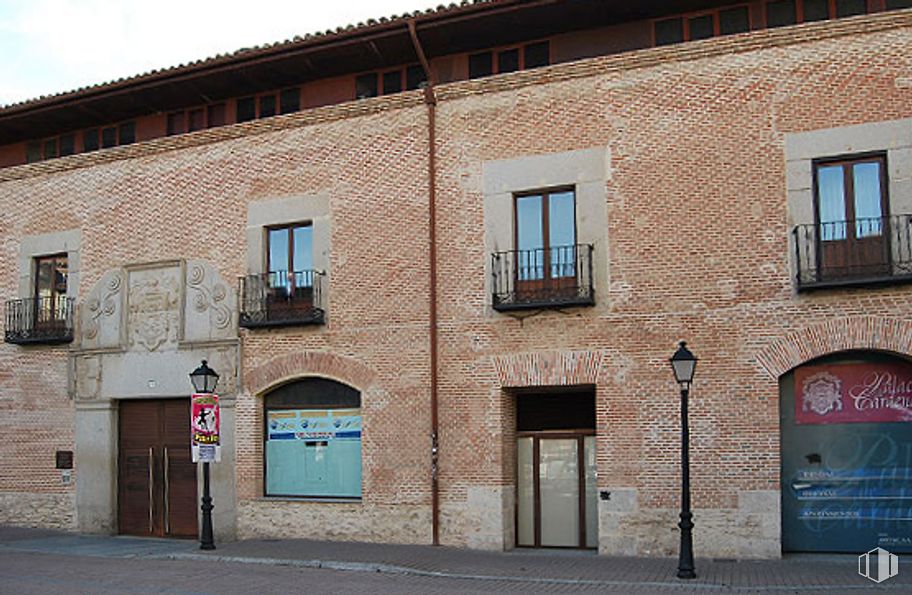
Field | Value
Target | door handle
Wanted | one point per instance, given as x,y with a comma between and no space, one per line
151,486
167,494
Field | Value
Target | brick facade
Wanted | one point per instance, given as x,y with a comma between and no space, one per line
698,249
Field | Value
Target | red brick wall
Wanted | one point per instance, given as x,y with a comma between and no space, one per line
697,242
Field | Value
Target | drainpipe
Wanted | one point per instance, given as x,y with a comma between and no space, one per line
430,99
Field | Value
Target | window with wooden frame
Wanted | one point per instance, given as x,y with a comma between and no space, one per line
51,275
110,136
267,105
545,238
781,13
65,144
702,25
196,119
289,265
852,217
388,82
533,55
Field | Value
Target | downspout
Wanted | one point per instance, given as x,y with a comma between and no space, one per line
430,99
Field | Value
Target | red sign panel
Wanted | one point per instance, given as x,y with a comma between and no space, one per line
204,427
853,393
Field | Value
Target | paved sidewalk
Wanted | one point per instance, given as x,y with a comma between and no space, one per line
794,574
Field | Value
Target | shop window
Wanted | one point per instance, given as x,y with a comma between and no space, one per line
898,4
846,447
313,440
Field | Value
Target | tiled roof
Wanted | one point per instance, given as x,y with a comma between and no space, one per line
257,51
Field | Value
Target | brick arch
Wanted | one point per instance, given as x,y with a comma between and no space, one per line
853,332
283,368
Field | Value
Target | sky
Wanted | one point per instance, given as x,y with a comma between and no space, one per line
52,46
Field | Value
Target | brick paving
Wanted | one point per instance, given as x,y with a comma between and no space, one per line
167,566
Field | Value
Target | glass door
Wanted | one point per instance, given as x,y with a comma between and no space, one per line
556,496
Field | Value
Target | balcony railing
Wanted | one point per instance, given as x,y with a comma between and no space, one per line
543,278
281,298
39,320
873,250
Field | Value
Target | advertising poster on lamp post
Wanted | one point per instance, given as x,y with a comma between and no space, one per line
204,428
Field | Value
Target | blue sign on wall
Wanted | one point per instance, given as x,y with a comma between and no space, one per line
846,487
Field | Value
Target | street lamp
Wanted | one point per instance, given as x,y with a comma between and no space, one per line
683,362
204,380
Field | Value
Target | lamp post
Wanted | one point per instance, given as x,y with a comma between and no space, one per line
204,380
683,362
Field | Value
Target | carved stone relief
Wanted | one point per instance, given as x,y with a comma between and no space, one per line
101,312
224,361
210,310
153,318
88,377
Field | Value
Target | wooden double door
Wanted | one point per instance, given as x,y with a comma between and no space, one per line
156,479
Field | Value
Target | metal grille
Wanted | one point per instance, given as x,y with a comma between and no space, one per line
39,320
543,278
281,298
853,252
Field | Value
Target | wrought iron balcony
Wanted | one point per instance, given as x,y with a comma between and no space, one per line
46,320
876,250
281,298
543,278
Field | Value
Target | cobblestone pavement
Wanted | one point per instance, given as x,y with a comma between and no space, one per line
34,561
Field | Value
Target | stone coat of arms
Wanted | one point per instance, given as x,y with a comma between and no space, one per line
822,393
154,315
